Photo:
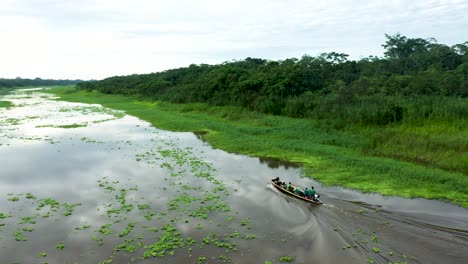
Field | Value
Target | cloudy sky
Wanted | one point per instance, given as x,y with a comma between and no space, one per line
94,39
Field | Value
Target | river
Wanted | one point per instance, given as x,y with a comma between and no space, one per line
85,184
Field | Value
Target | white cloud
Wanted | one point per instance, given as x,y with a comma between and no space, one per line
100,38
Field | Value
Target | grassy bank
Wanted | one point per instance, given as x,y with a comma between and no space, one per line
4,91
398,159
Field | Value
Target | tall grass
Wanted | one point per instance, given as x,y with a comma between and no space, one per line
4,91
380,110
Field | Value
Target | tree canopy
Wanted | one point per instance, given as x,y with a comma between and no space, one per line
297,87
20,82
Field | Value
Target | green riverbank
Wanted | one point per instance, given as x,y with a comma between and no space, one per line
332,156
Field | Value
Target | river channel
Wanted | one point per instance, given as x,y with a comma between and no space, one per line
80,183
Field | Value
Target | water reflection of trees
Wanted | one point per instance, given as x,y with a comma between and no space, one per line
272,163
276,163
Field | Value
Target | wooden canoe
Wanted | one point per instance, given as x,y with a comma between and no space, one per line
284,190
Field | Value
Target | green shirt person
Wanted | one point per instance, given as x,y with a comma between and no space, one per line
298,191
312,192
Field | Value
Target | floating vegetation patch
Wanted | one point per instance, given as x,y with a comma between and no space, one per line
83,227
144,206
2,215
89,140
27,220
128,246
105,229
19,236
60,245
10,122
30,196
286,259
99,240
28,229
68,208
128,229
74,125
5,104
86,110
13,199
169,241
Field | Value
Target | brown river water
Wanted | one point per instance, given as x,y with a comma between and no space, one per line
105,172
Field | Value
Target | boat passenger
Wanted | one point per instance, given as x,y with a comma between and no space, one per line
312,192
307,193
298,191
276,180
290,187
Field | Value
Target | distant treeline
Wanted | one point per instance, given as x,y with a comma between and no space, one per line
417,78
20,82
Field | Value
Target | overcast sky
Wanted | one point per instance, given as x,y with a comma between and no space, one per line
94,39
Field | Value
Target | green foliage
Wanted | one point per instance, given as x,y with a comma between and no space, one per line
60,245
127,230
169,241
3,215
13,199
286,259
19,82
6,104
328,86
30,196
72,125
28,220
105,229
19,236
201,259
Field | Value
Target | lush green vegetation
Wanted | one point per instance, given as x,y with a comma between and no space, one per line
5,104
371,91
424,159
20,82
4,91
8,85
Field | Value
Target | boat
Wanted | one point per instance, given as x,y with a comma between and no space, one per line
284,190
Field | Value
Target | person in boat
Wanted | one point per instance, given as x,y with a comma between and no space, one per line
290,187
298,191
307,193
277,180
313,194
